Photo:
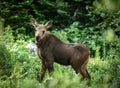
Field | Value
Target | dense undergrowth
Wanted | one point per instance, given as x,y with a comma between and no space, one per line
95,23
19,68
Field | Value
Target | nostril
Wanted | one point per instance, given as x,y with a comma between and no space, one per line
37,38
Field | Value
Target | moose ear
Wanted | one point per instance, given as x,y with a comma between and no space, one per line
33,22
48,24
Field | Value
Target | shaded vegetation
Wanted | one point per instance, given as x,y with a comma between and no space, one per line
94,23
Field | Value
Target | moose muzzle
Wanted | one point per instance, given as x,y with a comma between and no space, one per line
37,38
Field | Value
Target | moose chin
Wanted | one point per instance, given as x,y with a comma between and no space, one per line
51,49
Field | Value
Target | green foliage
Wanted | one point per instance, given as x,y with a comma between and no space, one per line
74,21
18,13
5,55
5,60
7,35
114,61
108,5
78,18
26,66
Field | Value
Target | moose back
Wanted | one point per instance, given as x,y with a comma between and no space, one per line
51,49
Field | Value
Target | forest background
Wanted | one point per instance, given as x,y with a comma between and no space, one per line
95,23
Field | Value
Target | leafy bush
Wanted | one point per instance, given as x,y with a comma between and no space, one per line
26,65
74,21
114,62
5,60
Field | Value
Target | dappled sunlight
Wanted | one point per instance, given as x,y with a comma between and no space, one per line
109,35
108,5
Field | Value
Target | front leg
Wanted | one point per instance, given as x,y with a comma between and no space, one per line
43,71
49,64
49,60
43,68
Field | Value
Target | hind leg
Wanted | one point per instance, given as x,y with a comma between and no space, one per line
88,75
80,67
83,71
75,67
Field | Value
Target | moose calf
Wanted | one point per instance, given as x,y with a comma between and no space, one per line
51,49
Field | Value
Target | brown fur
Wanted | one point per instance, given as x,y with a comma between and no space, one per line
51,49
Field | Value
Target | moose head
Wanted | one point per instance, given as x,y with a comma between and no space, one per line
40,29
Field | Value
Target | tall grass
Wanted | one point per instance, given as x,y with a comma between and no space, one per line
25,67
